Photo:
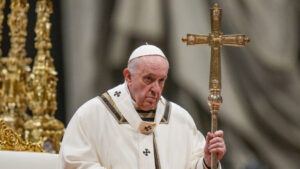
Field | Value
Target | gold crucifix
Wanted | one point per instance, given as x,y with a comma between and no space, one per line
215,40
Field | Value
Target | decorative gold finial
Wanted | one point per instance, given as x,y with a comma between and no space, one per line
247,40
2,5
15,69
43,128
216,5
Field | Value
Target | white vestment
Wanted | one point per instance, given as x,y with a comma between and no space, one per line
104,133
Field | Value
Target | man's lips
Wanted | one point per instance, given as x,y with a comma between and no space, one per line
151,98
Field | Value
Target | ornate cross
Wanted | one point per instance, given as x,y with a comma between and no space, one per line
117,93
146,152
215,40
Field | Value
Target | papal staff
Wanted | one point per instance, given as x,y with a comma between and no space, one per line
215,40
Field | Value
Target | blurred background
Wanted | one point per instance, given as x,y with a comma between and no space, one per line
260,115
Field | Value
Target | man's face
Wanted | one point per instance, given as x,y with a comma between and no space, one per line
147,82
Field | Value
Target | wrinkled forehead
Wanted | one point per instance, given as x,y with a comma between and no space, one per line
153,60
153,64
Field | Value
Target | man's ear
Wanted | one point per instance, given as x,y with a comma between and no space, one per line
127,76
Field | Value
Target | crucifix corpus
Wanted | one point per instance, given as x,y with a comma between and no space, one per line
215,40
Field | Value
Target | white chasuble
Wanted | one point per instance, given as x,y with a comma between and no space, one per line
107,133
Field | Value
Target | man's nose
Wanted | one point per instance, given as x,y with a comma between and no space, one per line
155,87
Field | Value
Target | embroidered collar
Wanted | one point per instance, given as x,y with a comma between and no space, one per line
119,104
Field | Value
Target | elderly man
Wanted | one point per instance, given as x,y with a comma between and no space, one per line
132,126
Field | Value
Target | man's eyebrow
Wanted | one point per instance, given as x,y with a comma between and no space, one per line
150,74
153,75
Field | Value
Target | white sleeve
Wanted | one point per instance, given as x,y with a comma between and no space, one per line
77,149
198,144
198,151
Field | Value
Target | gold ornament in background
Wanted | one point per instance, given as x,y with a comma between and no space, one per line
2,5
43,128
10,140
15,69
